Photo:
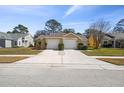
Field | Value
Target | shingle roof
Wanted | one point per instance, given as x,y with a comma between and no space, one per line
16,35
83,37
59,35
11,36
109,35
118,35
4,36
52,35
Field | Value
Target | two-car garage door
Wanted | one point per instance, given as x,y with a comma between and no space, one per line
68,43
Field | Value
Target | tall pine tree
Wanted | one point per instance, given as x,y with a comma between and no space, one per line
119,26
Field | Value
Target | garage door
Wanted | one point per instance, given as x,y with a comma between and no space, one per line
52,43
70,44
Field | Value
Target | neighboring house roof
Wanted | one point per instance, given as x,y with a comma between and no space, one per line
5,36
15,36
84,38
114,36
12,36
108,37
56,35
118,35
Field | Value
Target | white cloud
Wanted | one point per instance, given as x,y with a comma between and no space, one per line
84,8
71,10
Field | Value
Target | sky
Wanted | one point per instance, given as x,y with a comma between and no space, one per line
70,16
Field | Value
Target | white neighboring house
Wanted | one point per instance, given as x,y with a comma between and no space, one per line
15,40
22,40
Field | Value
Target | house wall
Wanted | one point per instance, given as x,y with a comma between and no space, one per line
68,37
19,42
27,41
14,43
2,43
43,41
8,43
85,42
78,39
5,43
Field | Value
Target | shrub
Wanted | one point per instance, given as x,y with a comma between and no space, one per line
107,45
61,46
37,45
80,45
84,48
45,45
15,46
30,45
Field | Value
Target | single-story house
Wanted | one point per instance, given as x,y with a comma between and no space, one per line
70,40
15,40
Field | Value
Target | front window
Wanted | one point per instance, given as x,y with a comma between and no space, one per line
26,42
23,40
15,42
105,42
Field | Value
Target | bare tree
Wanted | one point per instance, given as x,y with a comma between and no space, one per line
98,30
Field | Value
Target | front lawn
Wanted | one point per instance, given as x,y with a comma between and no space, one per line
18,51
105,52
10,59
116,61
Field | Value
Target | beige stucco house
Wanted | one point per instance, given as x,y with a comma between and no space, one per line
70,40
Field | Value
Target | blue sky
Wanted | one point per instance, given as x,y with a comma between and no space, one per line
77,17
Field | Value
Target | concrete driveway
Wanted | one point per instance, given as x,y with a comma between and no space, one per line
61,69
66,59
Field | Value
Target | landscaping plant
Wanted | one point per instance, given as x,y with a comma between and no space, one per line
61,46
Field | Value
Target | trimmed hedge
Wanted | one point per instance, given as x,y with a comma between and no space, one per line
81,46
61,46
30,45
84,48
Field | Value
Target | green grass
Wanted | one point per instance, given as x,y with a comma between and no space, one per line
105,52
18,51
10,59
113,61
